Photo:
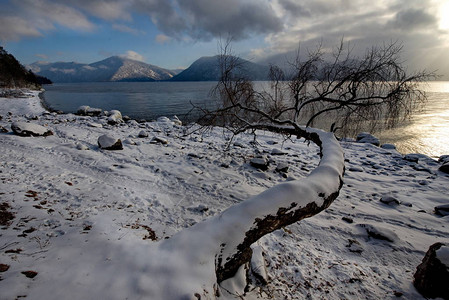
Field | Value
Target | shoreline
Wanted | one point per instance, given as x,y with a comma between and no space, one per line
91,211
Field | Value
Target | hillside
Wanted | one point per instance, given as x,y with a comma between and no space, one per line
207,68
114,68
14,75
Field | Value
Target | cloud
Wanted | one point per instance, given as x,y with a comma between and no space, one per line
44,13
14,28
41,56
162,39
127,29
130,54
208,19
105,9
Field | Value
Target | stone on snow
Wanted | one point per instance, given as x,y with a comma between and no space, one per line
114,117
159,140
276,151
444,168
442,210
389,200
143,134
282,168
388,146
30,129
259,163
368,138
108,142
432,275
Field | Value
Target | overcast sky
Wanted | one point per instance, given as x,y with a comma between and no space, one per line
174,33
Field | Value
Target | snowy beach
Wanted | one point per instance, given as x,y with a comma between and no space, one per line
83,220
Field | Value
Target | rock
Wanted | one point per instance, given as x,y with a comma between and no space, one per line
129,142
176,121
444,168
380,233
114,117
195,155
143,134
432,275
282,168
95,125
3,129
108,142
82,147
163,120
30,129
30,274
368,138
276,151
388,147
389,200
82,110
354,246
443,159
442,210
159,140
259,163
356,169
86,110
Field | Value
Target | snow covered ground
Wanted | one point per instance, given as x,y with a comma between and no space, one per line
86,219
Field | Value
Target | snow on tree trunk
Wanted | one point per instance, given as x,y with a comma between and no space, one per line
218,247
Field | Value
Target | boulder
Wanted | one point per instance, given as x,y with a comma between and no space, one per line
380,233
388,146
163,120
444,168
30,129
108,142
442,210
114,117
443,159
3,129
432,275
159,140
276,151
176,121
86,110
143,134
389,200
259,163
282,168
368,138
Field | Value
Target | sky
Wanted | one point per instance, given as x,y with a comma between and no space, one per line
174,33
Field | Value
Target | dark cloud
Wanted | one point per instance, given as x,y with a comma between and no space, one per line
411,19
207,19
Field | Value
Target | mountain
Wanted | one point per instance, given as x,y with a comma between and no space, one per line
15,75
114,68
207,68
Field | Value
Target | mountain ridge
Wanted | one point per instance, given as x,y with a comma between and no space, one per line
207,68
117,68
114,68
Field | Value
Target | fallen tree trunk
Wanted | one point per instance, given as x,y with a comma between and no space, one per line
227,238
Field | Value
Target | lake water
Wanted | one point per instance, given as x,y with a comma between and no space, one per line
427,132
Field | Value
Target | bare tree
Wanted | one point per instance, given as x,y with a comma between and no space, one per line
349,93
375,87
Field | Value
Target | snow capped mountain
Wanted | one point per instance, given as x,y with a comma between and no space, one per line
207,68
114,68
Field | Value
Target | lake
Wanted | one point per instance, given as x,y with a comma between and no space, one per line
427,132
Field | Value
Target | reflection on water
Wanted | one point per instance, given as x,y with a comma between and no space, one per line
426,132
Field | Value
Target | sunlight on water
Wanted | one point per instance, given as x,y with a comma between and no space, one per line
428,130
